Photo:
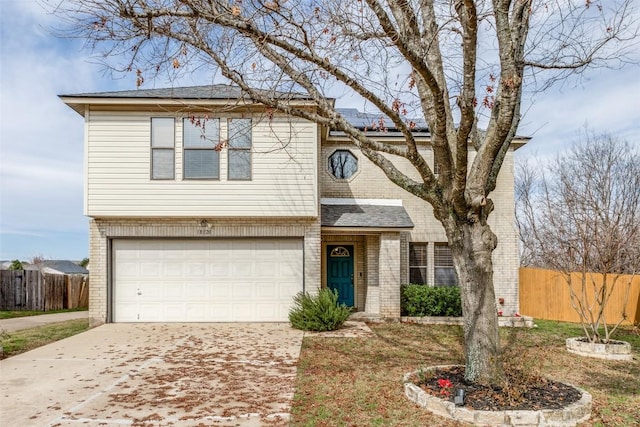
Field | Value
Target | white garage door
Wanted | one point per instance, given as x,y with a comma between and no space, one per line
230,280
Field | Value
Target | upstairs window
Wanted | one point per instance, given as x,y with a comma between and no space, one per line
445,274
201,138
240,149
162,148
418,263
342,164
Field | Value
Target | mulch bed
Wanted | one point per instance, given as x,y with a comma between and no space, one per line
545,394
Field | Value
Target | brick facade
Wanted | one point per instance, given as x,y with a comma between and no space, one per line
371,183
103,230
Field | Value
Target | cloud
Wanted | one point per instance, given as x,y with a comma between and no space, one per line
41,170
606,101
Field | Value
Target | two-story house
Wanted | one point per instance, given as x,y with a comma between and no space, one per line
206,207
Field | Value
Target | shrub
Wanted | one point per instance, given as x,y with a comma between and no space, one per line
421,300
16,264
318,313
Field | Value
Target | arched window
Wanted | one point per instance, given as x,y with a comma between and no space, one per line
340,251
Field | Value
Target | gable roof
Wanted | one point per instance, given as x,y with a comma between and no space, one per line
218,91
218,94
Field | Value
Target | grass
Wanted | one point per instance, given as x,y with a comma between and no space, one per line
25,313
358,381
17,342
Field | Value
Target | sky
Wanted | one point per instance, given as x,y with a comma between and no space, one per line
41,139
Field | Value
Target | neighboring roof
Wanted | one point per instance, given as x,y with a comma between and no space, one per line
63,266
4,265
352,213
189,92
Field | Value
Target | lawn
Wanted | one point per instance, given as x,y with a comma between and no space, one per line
358,381
25,313
17,342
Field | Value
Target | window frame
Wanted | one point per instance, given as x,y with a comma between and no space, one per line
331,172
436,265
231,149
194,149
423,268
154,149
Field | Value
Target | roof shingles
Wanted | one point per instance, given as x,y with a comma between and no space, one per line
365,216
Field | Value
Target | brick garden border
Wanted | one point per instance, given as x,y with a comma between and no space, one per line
568,416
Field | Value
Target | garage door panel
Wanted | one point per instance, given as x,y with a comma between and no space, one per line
267,291
206,280
242,291
220,312
196,269
150,270
197,290
266,269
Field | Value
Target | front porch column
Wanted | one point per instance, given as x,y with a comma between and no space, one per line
389,274
372,261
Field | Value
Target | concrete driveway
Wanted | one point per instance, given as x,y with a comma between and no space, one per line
155,375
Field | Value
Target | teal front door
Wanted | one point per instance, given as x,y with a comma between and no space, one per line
340,272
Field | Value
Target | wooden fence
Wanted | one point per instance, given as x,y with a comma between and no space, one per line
544,294
33,290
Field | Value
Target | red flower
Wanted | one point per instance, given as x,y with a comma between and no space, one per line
445,385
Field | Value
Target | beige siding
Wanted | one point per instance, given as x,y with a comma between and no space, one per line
118,171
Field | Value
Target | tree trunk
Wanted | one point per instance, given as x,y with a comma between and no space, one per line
471,247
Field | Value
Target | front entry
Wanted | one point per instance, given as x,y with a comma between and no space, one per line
340,272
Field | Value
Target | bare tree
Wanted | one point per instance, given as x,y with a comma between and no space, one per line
581,216
459,64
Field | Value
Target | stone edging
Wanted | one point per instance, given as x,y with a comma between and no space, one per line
619,351
507,321
568,416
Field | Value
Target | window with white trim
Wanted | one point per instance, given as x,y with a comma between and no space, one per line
418,263
201,142
239,149
445,274
162,148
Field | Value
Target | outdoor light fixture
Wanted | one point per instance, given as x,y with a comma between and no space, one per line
458,400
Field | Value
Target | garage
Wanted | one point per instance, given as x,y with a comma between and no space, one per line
222,280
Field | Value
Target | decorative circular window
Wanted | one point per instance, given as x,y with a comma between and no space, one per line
342,164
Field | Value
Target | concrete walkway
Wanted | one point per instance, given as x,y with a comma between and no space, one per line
198,374
10,325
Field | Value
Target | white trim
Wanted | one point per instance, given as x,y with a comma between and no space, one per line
364,230
373,202
85,166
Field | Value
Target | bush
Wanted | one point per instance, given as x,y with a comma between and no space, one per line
318,313
16,264
422,300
